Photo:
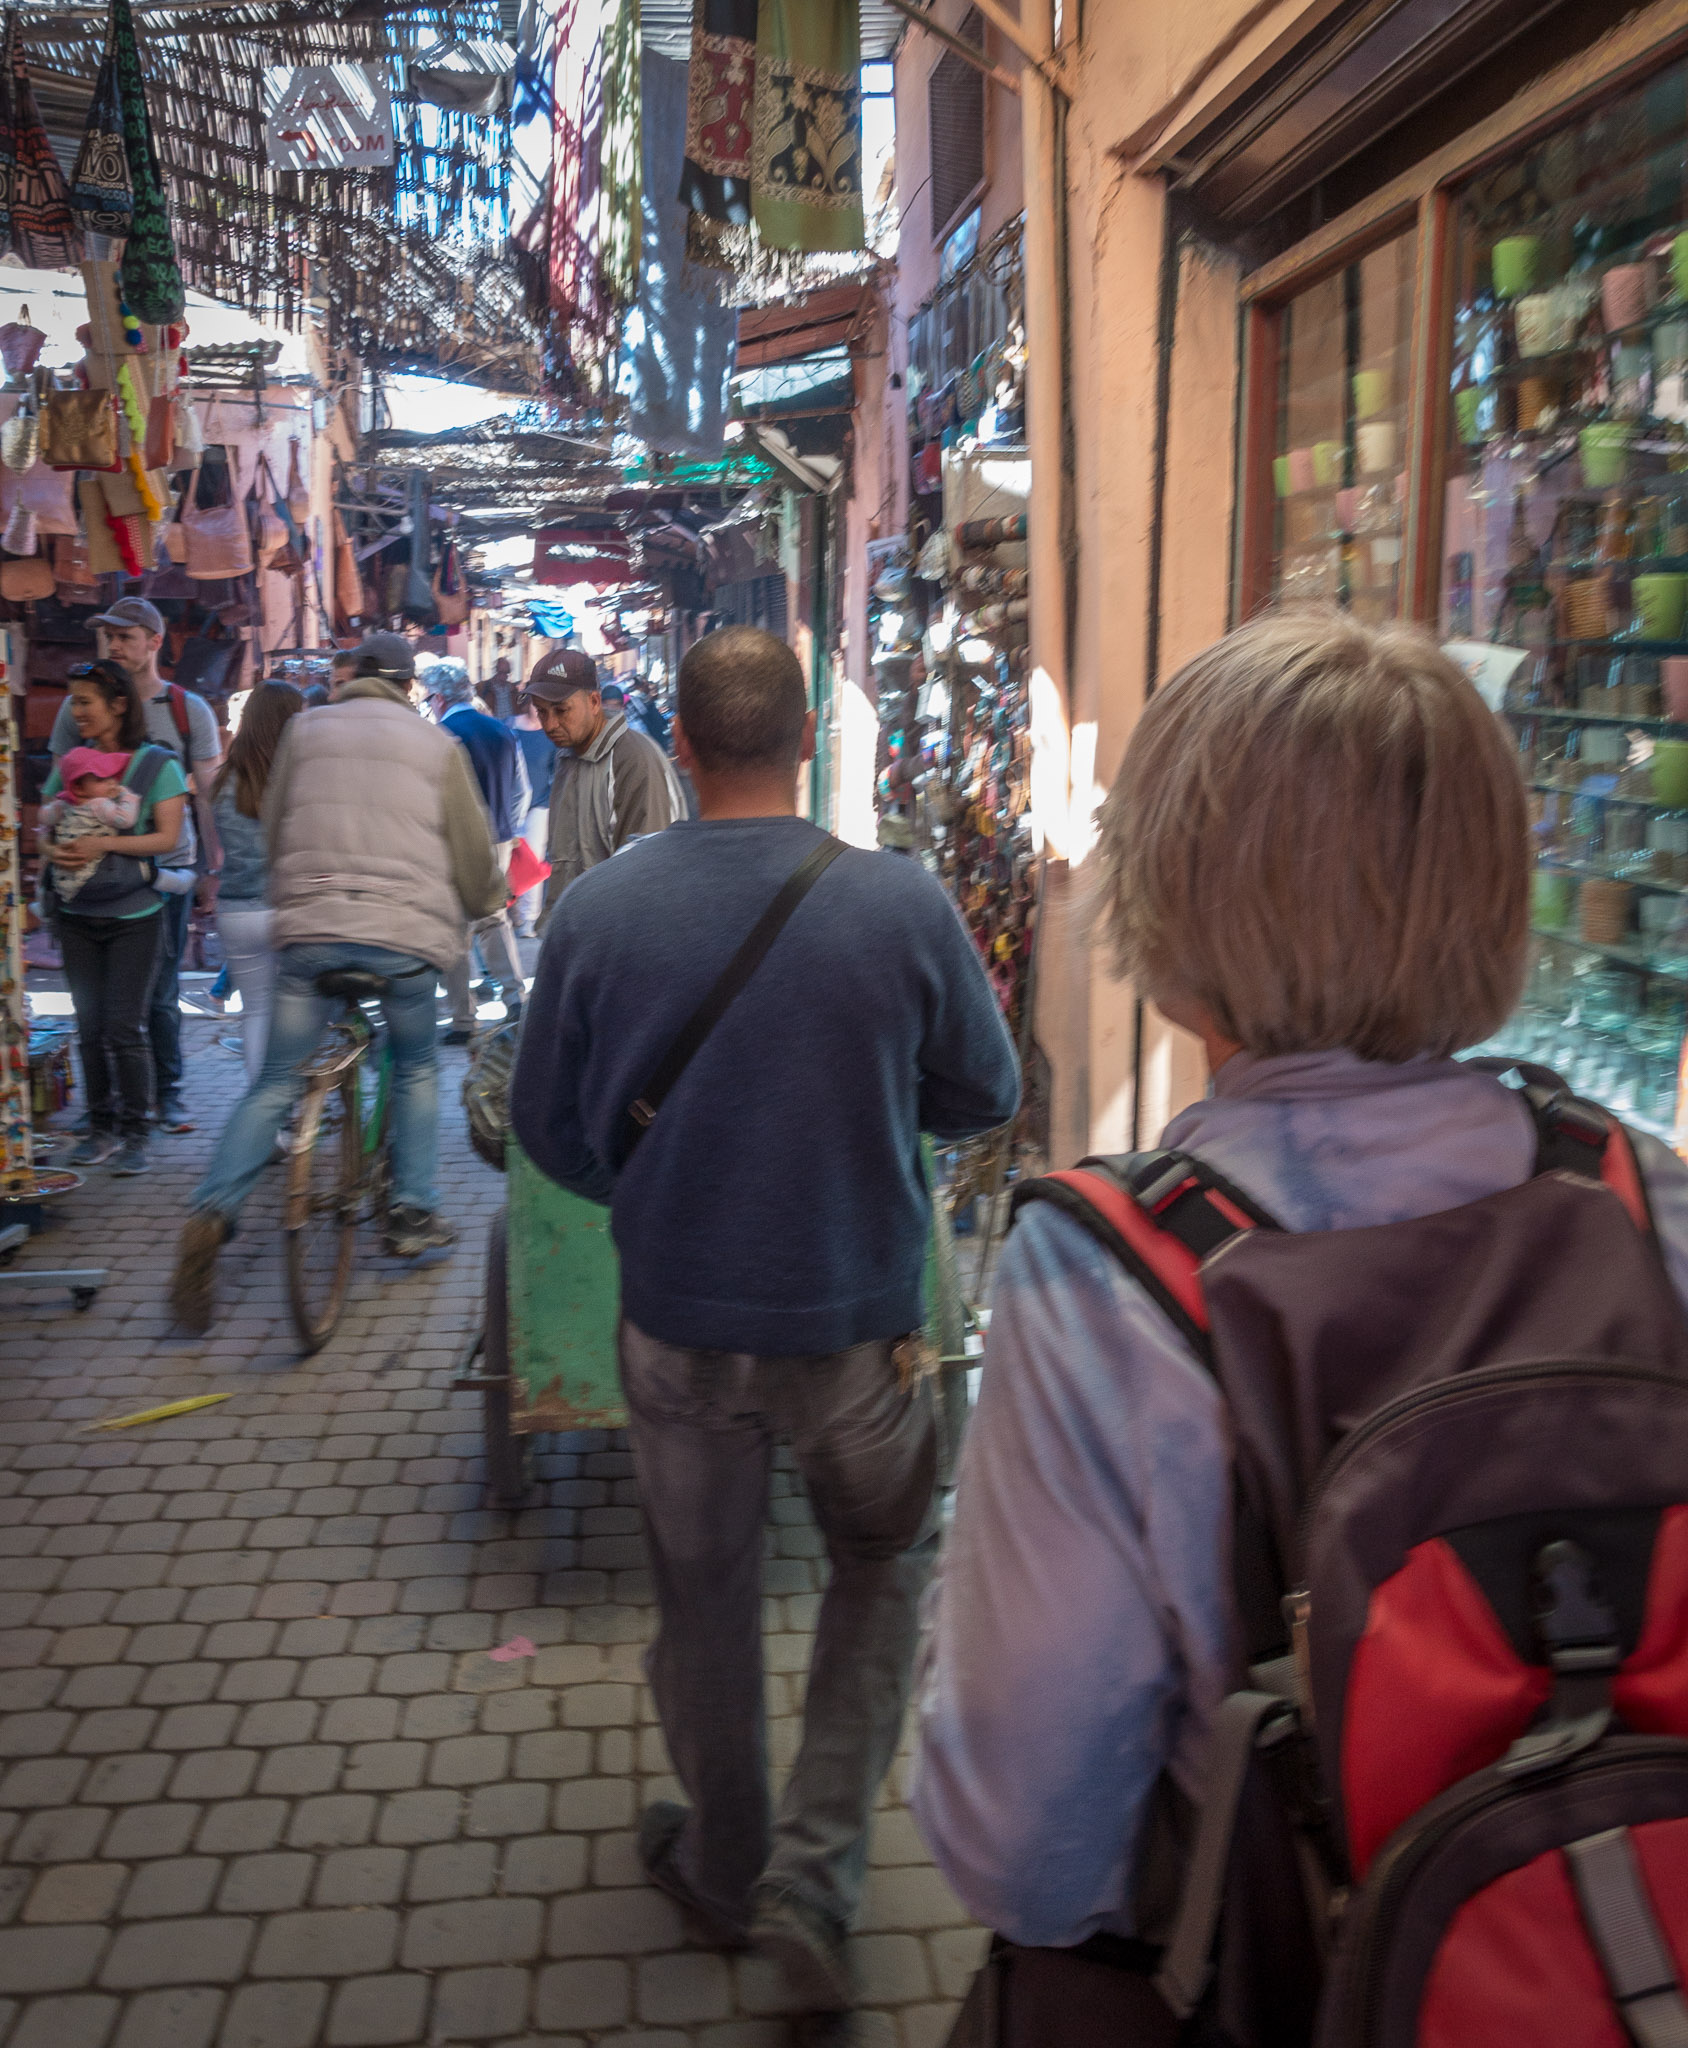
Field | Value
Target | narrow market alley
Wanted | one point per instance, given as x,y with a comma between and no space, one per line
264,1785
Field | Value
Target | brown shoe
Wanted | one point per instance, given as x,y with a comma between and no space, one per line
193,1292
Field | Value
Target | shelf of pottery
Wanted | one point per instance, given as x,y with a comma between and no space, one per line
1565,542
1338,475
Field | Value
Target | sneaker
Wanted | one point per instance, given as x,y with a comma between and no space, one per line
659,1830
133,1158
94,1150
513,1010
806,1947
457,1034
487,989
193,1292
411,1232
174,1119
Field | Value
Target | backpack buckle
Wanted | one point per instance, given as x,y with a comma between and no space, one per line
1579,1632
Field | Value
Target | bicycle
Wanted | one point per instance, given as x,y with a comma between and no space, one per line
338,1155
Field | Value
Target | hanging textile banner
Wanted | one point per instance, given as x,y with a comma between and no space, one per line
328,117
678,342
720,105
44,233
575,140
152,279
619,175
806,147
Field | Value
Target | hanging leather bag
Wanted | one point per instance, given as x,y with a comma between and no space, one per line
219,542
298,495
79,430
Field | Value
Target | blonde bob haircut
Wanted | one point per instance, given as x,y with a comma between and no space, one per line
1318,834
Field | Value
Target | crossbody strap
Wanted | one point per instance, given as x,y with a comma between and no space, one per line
641,1111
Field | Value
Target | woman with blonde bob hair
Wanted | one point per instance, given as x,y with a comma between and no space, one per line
1315,856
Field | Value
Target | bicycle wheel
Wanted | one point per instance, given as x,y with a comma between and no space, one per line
323,1175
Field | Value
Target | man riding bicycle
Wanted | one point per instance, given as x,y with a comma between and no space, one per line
380,858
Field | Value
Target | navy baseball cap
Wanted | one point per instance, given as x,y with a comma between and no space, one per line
560,673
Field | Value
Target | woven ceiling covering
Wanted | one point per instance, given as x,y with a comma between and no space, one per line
407,265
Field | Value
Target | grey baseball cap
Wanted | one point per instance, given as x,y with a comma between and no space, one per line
132,611
560,673
387,655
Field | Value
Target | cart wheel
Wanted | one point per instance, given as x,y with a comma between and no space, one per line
506,1451
82,1298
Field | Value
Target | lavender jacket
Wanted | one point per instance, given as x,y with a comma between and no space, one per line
1081,1632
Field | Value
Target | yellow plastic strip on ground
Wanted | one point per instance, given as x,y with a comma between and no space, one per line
159,1414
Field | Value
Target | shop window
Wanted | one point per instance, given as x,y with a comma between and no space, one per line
955,112
1565,570
1338,474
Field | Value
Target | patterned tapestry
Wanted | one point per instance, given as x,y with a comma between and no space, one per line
100,186
720,102
152,278
44,233
806,141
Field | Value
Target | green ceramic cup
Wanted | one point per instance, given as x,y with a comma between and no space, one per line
1670,773
1513,263
1660,601
1327,462
1280,476
1605,453
1551,898
1679,264
1371,393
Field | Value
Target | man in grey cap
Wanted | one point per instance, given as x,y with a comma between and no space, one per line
612,783
131,633
380,857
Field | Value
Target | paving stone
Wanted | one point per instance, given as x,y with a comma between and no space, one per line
216,1774
170,1886
431,1815
597,1706
912,1897
326,1944
477,2005
82,2021
259,1678
385,1766
95,1685
64,1834
545,1864
586,1803
437,1715
508,1809
276,2015
127,1780
69,1892
241,1827
591,1994
890,1969
371,2012
454,1870
49,1958
177,1952
273,1883
297,1772
43,1781
517,1713
413,1672
553,1753
360,1720
336,1677
338,1820
360,1877
469,1760
140,1832
626,1923
473,1931
181,2018
679,1989
171,1685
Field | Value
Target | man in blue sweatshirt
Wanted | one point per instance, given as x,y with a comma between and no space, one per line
772,1226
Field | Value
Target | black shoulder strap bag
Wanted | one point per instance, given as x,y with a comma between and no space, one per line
641,1112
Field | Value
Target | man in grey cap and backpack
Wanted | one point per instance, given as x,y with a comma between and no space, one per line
612,783
132,632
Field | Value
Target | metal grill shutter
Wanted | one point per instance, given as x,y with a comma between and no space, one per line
955,114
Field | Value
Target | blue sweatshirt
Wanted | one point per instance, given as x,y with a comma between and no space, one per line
777,1204
498,765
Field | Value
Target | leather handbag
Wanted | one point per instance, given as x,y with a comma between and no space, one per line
161,434
219,540
51,495
451,600
22,581
268,528
79,430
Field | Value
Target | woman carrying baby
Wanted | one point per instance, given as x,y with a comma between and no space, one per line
101,898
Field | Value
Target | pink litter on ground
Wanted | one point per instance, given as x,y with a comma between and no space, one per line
507,1653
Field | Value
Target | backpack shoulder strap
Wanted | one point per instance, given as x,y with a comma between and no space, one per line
179,717
1160,1214
1574,1135
149,766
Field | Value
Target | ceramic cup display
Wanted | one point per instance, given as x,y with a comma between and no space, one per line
1327,463
1623,296
1660,599
1536,395
1513,263
1670,773
1538,322
1377,444
1582,609
1673,685
1604,908
1348,508
1551,897
1371,393
1465,414
1605,453
1301,469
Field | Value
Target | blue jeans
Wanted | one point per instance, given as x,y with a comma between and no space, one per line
297,1020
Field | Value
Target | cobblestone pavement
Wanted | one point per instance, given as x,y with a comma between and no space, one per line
261,1785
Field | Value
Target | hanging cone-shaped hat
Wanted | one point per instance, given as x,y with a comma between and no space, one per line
101,189
44,230
152,278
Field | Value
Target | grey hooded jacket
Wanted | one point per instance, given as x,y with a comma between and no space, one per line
617,789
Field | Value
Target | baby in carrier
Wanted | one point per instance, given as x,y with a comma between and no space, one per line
94,800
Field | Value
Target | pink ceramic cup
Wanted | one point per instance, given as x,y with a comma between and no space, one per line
1301,472
1623,296
1673,678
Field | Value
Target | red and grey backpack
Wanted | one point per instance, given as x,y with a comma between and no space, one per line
1461,1462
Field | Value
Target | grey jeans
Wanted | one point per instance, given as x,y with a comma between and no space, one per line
703,1426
